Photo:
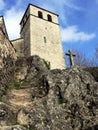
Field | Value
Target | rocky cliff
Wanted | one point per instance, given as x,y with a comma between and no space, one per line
41,99
7,58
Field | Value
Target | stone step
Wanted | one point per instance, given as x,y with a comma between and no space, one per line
14,127
19,98
21,104
20,92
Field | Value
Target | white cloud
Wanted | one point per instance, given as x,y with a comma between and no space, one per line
12,19
2,4
72,34
63,3
70,4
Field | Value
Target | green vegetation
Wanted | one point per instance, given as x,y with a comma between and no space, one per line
4,91
13,85
25,83
0,99
47,63
60,100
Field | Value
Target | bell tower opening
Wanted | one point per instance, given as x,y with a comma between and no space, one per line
49,18
40,15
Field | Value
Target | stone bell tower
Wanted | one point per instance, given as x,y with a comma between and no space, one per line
41,34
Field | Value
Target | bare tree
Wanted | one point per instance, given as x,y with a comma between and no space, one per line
82,60
97,53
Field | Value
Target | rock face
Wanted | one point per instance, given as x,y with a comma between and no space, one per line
50,99
7,57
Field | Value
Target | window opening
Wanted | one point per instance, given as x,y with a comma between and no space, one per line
49,18
40,15
45,40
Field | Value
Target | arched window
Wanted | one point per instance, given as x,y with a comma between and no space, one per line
49,18
40,15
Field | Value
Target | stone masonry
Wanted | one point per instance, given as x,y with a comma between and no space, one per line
7,57
6,47
41,34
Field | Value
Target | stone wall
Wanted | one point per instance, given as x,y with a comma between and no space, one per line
19,46
7,57
25,34
51,50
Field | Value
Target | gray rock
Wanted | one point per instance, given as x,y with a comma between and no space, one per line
61,99
7,116
69,103
7,59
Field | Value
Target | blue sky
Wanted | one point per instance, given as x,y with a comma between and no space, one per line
78,21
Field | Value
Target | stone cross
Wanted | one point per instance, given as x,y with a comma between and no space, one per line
71,55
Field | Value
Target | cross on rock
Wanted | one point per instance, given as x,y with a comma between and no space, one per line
71,55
